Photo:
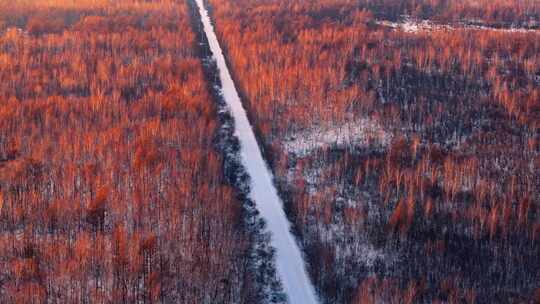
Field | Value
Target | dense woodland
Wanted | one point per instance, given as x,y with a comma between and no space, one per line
498,13
112,189
409,161
439,202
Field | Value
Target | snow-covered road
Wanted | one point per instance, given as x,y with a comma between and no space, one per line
289,260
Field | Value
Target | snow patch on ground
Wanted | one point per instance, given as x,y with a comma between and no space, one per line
350,241
361,250
358,133
14,31
409,25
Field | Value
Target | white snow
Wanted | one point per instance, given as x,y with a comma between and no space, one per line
410,25
16,31
360,132
407,26
289,261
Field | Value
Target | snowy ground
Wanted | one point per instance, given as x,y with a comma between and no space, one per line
358,133
14,31
289,260
351,247
409,25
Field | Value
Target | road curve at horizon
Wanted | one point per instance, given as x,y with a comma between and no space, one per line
289,261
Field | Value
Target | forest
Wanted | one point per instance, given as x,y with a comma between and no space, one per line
403,137
112,183
496,13
408,157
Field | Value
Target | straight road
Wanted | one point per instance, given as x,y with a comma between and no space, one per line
289,261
